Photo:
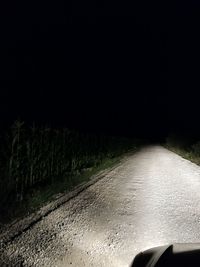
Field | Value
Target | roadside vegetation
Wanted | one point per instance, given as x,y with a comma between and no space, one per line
186,146
39,162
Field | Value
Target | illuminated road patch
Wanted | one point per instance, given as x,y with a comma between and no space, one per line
151,199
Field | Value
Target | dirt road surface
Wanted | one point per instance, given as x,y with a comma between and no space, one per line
152,198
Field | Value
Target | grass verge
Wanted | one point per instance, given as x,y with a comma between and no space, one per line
184,145
189,155
40,196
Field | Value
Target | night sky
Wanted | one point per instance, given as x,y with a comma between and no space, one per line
103,67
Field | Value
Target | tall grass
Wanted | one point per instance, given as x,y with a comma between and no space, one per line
38,156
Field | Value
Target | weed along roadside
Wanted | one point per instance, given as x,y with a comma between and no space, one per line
43,207
38,163
186,146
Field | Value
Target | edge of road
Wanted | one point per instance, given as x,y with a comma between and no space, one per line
16,228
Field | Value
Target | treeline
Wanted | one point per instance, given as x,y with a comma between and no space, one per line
37,156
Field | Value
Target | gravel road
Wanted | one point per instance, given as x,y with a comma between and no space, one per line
150,199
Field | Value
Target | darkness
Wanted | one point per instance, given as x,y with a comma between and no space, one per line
100,66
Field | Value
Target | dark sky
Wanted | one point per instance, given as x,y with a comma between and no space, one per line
112,67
